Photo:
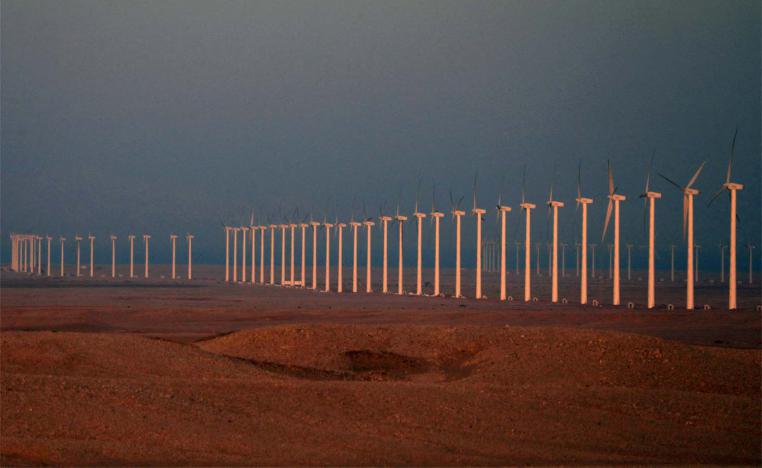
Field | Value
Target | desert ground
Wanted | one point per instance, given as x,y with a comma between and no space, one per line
96,371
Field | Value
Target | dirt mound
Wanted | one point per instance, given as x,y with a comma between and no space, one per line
112,355
507,356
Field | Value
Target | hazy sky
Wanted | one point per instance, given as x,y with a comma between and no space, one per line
159,116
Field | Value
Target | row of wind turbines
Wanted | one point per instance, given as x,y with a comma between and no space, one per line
688,191
26,254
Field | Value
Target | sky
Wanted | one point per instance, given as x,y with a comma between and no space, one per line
181,116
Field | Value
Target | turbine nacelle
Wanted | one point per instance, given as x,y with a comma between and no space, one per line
436,214
503,208
584,200
618,197
555,204
652,195
419,215
732,186
528,206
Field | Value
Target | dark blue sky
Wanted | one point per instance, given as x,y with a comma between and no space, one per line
164,116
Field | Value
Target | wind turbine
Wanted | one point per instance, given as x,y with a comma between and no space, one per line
272,253
503,211
78,239
688,193
253,228
385,265
244,230
419,217
189,237
39,255
146,237
62,239
457,213
173,241
650,198
340,280
235,253
732,188
113,256
227,254
368,225
303,226
328,227
132,255
614,200
436,217
315,225
401,222
354,225
554,206
262,229
293,230
527,207
283,253
48,238
479,213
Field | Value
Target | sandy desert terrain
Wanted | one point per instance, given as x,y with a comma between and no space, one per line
162,372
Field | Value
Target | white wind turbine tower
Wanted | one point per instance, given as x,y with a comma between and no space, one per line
48,238
354,225
272,253
235,253
146,237
253,229
113,256
293,259
132,255
385,265
419,218
315,226
503,211
688,193
262,229
527,207
650,198
78,239
244,230
62,239
554,206
283,253
457,214
732,188
328,227
303,226
189,237
401,222
339,272
39,255
436,217
614,199
173,242
227,253
368,283
479,213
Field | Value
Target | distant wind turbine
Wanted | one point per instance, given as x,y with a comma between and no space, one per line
688,193
650,198
527,207
732,188
436,217
131,237
614,200
62,239
554,205
478,213
457,214
146,238
189,237
113,256
173,242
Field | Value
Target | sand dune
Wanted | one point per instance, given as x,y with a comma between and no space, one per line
343,394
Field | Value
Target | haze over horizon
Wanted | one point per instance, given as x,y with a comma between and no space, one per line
177,116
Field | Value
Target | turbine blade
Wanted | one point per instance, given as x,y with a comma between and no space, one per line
670,181
695,175
685,213
608,218
611,179
717,194
730,159
523,184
